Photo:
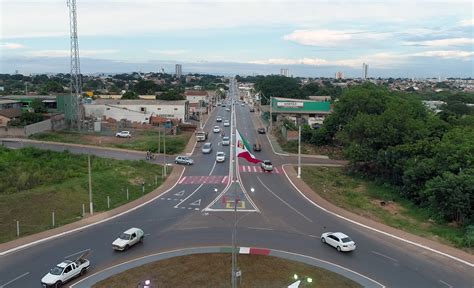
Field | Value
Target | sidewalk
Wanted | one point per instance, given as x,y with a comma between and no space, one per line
314,197
97,217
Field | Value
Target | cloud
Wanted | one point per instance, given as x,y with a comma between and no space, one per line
11,46
467,22
446,54
324,37
442,42
285,61
169,52
66,53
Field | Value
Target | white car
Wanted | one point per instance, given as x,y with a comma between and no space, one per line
338,240
219,119
123,134
216,129
225,141
227,109
206,148
128,238
266,165
220,157
226,123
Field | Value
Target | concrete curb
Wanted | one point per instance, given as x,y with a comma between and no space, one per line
108,272
30,240
420,242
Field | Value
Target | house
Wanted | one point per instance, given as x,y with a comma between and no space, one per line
6,115
198,100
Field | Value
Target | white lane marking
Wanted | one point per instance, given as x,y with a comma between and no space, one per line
192,228
182,180
92,224
374,229
213,168
196,203
147,234
314,236
189,196
260,228
65,257
11,281
447,284
180,193
385,256
299,213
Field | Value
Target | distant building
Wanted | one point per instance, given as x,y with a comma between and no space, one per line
137,110
365,70
6,115
198,100
339,75
178,70
285,72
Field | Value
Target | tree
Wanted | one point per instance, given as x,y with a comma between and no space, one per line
145,87
129,95
38,106
278,86
171,95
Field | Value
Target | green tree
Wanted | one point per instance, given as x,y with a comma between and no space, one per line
278,86
130,95
38,106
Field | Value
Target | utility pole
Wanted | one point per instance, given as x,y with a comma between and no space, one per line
75,84
234,247
299,151
164,150
159,140
271,117
91,208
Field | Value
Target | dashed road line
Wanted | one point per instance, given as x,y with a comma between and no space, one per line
260,228
13,280
447,284
385,256
68,256
314,236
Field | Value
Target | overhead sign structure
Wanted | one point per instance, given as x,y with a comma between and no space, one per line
292,104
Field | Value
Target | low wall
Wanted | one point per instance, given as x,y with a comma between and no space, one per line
12,132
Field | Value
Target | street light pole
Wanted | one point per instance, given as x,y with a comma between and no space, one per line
164,150
271,117
299,151
91,206
234,248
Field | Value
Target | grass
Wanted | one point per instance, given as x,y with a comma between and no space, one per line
292,147
363,197
141,140
213,270
34,183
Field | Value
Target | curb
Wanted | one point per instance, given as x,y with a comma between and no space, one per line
420,242
31,240
113,270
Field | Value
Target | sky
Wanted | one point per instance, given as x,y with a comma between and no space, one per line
415,38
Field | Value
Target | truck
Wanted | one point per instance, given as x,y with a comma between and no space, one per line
65,271
201,136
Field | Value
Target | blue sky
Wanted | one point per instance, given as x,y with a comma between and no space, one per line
312,38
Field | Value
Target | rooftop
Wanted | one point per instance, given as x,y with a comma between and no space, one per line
136,102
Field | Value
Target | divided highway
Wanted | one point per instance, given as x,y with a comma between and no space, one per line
284,221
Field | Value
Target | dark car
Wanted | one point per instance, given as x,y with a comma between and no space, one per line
252,110
261,130
257,147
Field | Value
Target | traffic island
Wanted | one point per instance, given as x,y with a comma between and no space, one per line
211,267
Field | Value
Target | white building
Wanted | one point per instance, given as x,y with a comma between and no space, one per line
198,100
339,75
284,72
178,70
137,110
365,70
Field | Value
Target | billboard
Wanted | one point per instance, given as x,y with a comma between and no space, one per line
290,104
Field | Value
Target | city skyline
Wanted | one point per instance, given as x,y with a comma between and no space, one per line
309,38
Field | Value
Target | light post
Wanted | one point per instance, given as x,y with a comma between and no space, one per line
299,151
234,248
91,206
164,151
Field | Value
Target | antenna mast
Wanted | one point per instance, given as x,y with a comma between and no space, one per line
75,119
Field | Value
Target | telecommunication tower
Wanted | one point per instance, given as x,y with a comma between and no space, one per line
75,116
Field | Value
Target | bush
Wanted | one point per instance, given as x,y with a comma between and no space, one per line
469,236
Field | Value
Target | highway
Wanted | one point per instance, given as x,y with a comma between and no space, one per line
196,212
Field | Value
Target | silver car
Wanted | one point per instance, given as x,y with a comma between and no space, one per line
225,141
183,160
206,148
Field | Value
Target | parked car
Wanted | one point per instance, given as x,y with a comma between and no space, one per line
266,165
261,130
206,148
225,141
227,109
226,123
123,134
219,119
183,160
128,238
252,110
338,240
216,129
220,157
66,271
257,147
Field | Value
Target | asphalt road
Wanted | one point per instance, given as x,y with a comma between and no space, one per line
284,221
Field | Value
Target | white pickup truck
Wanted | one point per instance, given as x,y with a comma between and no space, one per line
66,271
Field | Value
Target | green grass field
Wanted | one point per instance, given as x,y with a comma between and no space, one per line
34,183
140,140
363,197
214,270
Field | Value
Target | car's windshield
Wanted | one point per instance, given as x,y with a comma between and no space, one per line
346,240
125,236
56,270
207,145
225,138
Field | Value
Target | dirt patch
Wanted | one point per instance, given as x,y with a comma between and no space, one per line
389,206
100,140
